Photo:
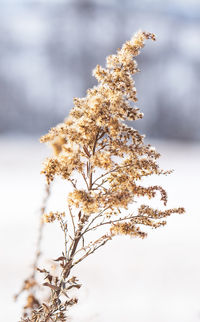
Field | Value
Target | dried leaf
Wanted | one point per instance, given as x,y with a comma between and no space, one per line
53,287
61,258
74,285
86,151
42,270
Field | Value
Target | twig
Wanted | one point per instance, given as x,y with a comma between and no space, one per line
97,216
110,171
84,178
41,227
72,219
113,221
92,251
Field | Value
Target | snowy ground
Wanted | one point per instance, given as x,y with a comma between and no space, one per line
157,279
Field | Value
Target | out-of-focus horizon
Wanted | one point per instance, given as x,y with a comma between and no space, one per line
49,48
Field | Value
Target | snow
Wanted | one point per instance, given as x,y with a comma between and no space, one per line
156,279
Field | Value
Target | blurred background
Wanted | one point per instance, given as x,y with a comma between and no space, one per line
48,49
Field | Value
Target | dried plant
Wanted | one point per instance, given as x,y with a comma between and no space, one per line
105,161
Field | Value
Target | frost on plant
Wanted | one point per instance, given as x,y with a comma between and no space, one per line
104,160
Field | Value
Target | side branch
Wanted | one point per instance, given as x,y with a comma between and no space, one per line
41,227
99,243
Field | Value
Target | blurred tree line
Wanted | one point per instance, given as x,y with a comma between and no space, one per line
48,50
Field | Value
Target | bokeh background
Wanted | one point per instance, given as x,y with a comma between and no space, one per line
47,52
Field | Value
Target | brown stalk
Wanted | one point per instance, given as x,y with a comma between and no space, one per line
102,201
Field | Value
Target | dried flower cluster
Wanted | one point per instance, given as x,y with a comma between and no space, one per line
109,158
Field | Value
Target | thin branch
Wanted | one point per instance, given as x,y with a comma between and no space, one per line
87,153
84,178
97,216
100,184
90,167
101,134
102,147
40,232
72,219
83,241
114,221
72,182
92,251
110,171
64,229
38,242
